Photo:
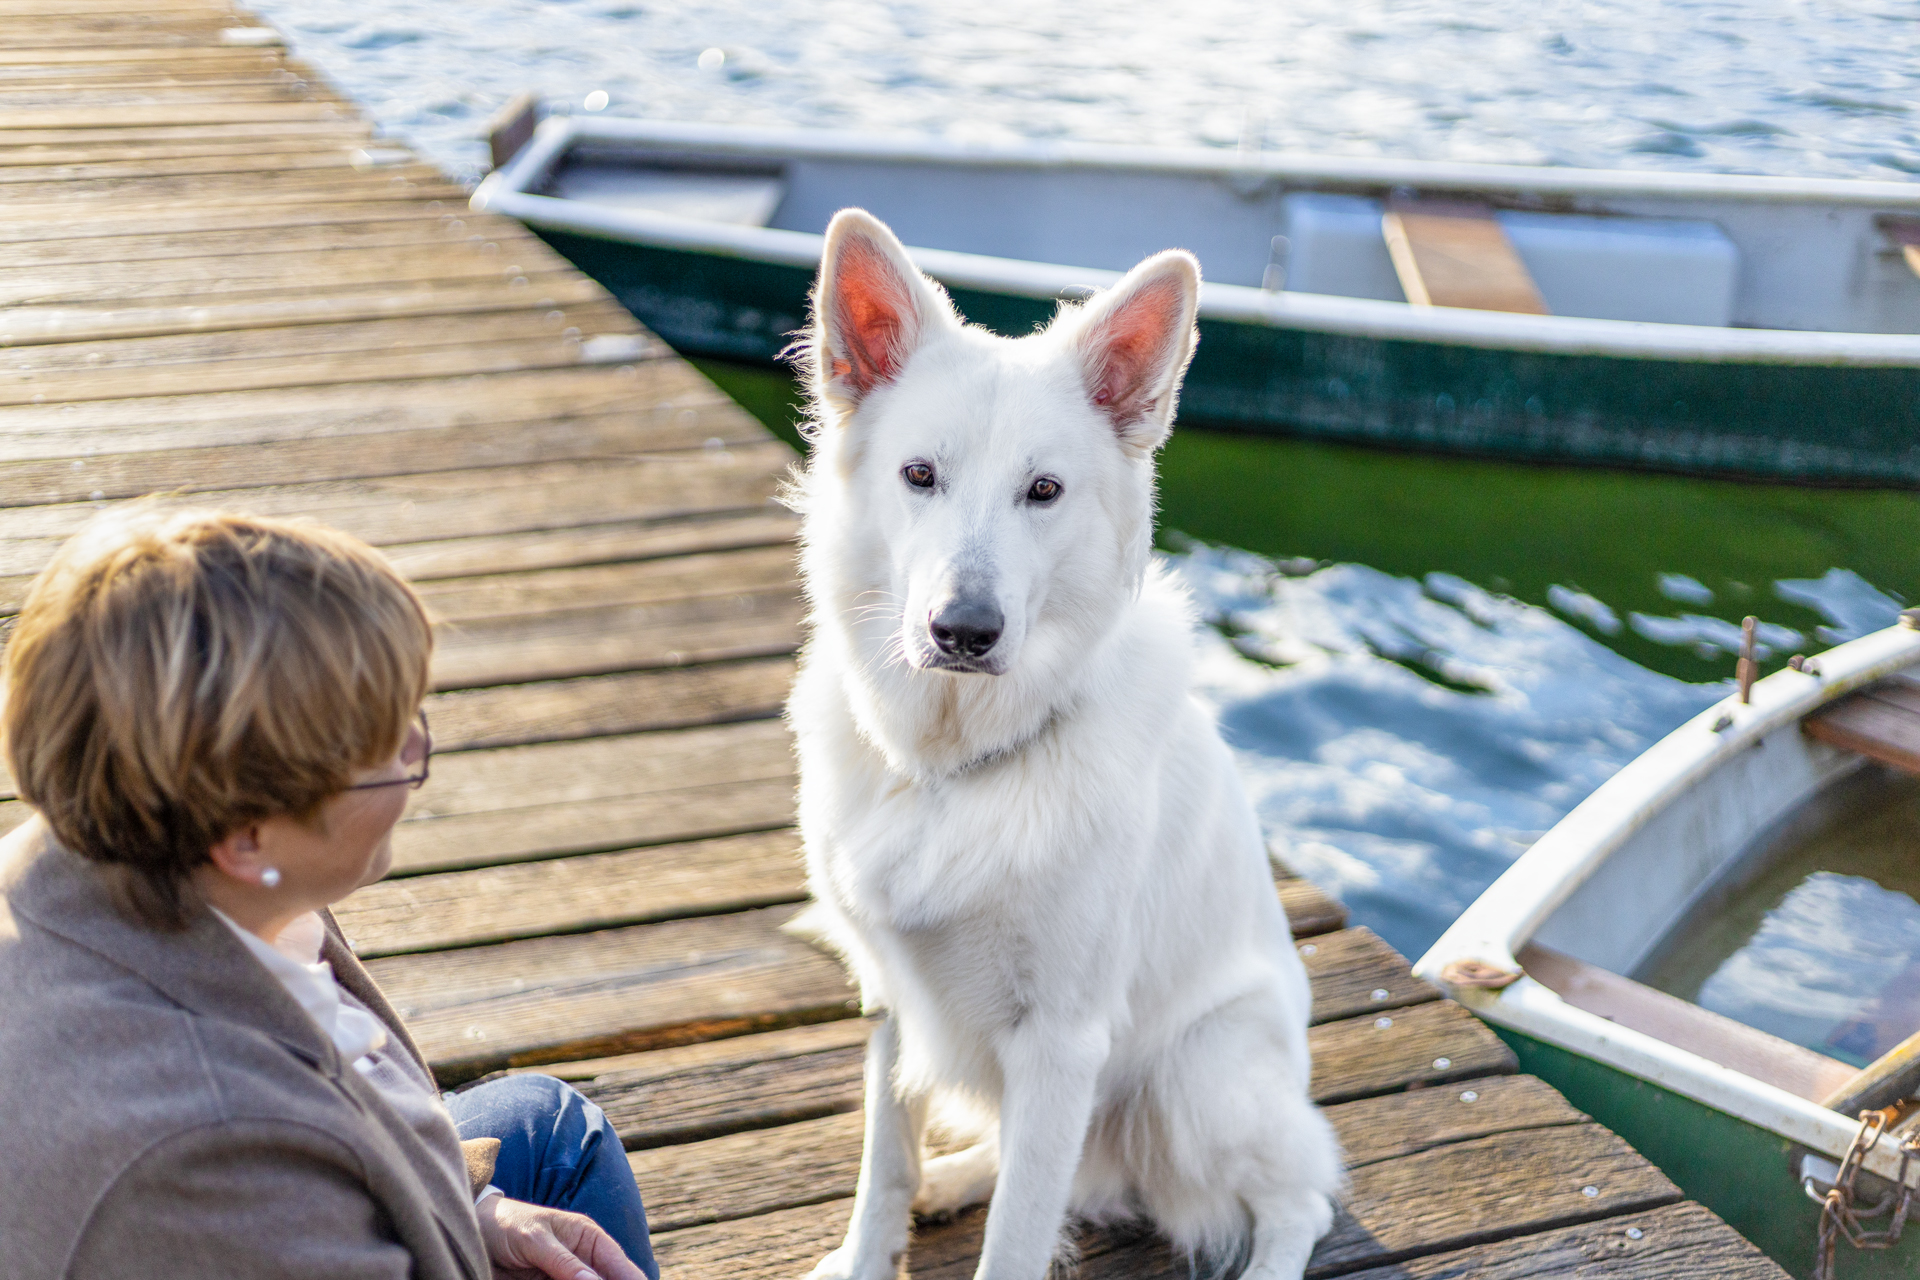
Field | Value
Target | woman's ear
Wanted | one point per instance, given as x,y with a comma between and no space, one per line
239,854
871,308
1134,342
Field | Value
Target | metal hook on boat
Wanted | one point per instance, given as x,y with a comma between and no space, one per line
1748,667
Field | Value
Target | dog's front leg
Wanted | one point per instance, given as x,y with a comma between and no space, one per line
889,1172
1045,1107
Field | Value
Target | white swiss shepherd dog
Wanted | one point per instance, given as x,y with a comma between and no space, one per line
1023,834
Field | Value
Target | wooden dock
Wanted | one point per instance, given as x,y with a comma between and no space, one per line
216,283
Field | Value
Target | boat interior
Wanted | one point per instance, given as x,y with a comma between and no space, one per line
1786,941
1647,255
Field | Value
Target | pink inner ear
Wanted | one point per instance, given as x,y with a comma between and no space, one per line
1128,351
874,320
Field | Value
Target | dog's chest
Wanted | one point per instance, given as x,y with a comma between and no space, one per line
915,856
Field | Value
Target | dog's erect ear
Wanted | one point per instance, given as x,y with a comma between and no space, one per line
871,307
1134,342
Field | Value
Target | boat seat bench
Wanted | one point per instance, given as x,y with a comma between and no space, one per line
1456,254
1880,722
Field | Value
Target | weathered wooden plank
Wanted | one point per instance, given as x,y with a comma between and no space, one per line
125,361
224,244
186,113
775,1246
635,702
50,57
1674,1242
1310,909
594,891
756,569
15,153
654,389
1391,1125
265,69
11,8
1423,1045
617,638
507,356
158,218
330,302
547,831
69,478
25,144
653,1108
1488,1188
444,257
411,184
1354,972
14,97
600,543
759,1046
653,486
744,1174
584,770
550,999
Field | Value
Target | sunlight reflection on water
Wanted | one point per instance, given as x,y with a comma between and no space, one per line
1405,740
1776,86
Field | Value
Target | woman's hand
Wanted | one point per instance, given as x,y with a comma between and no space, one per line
525,1240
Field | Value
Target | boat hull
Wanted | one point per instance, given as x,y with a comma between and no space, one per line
1840,422
1741,1171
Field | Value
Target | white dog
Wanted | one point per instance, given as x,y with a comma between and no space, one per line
1024,835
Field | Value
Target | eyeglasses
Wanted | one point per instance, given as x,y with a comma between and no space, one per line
410,755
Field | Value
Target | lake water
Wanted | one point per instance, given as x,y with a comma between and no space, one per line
1423,662
1824,87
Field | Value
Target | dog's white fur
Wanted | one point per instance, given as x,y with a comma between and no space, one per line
1038,861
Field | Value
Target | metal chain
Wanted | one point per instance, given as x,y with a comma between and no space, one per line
1840,1217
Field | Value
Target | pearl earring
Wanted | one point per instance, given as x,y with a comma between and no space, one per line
270,878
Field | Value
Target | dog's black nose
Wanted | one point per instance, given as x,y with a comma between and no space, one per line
967,628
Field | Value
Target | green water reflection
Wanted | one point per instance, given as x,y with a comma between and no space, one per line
1512,527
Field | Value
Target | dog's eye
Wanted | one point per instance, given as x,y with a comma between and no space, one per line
1045,489
918,474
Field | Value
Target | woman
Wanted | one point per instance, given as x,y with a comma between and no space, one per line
217,720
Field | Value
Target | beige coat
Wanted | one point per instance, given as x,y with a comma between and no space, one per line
168,1110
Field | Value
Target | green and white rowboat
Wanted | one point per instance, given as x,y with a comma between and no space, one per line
1557,954
1726,323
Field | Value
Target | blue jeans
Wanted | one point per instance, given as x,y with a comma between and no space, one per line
558,1150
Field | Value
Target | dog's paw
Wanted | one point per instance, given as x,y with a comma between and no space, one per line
843,1264
951,1183
837,1265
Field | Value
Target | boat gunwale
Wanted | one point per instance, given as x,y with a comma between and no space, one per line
1356,171
508,190
1511,910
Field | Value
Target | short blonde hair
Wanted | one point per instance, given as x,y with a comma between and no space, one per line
176,675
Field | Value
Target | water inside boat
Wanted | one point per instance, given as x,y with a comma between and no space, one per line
1816,939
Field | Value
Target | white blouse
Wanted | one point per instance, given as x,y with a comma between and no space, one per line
294,959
